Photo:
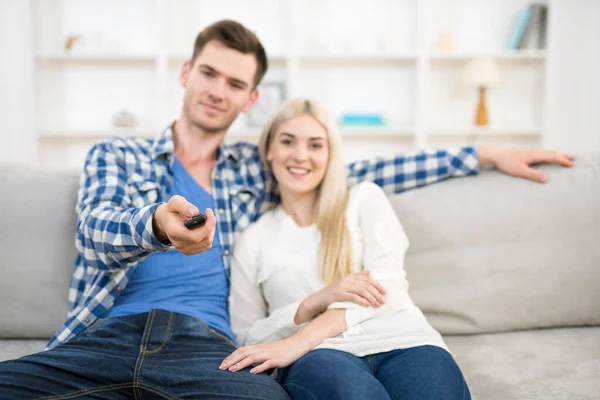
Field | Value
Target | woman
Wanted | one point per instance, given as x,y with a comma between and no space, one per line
318,287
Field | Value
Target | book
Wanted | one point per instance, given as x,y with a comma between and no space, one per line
534,36
355,119
518,31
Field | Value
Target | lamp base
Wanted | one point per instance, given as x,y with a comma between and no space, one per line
481,117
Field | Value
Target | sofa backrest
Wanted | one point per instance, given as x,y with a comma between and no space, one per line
488,253
494,253
37,249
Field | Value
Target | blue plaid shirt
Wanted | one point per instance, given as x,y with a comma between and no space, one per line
125,179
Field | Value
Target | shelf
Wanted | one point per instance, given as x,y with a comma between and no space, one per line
380,131
272,59
504,55
95,58
95,134
357,58
490,131
83,134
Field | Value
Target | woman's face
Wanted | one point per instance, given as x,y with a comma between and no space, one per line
299,154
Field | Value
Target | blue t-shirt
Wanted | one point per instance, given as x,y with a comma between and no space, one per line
193,285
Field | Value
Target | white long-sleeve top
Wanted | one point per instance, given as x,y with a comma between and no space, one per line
274,268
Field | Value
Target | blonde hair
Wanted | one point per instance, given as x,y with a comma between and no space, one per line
335,252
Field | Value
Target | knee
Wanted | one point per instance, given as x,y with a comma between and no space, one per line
330,375
442,377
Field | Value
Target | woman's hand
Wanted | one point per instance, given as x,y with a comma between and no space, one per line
266,355
358,288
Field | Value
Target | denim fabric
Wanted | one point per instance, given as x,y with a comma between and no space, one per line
154,355
417,373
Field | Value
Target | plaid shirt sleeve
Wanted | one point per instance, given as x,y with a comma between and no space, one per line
402,172
111,234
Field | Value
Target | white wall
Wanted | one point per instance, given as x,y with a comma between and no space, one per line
574,76
17,132
573,85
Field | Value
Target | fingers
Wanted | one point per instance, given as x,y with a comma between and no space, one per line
211,220
565,160
263,367
234,358
377,285
356,299
375,292
363,292
178,204
533,175
192,241
242,358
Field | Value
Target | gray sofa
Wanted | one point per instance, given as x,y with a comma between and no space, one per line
506,269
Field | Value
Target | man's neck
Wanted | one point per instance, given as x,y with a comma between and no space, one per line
301,207
193,145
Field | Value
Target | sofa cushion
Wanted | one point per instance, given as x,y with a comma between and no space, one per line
538,364
12,349
493,253
37,238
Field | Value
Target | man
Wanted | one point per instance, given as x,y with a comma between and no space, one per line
145,322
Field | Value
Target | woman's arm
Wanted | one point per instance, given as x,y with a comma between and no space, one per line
248,310
384,247
282,353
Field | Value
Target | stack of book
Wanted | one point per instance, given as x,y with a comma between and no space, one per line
529,31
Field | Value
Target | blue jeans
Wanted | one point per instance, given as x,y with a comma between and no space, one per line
154,355
423,373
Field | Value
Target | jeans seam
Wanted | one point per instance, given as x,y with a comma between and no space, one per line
217,334
86,391
140,361
164,342
372,363
158,391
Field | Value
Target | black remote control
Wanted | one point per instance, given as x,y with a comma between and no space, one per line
196,221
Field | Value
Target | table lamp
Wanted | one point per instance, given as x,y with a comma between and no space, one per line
481,73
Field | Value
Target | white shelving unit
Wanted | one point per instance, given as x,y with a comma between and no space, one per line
379,57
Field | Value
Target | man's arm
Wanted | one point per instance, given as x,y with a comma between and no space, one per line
111,233
398,173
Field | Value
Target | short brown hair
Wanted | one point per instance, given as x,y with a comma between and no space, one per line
237,37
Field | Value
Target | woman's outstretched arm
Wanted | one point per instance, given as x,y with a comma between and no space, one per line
284,352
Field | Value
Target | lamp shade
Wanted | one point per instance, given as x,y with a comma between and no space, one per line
481,72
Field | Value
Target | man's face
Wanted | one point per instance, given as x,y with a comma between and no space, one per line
218,86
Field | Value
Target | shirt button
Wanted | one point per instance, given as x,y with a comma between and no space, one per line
226,252
221,211
118,288
216,176
87,320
